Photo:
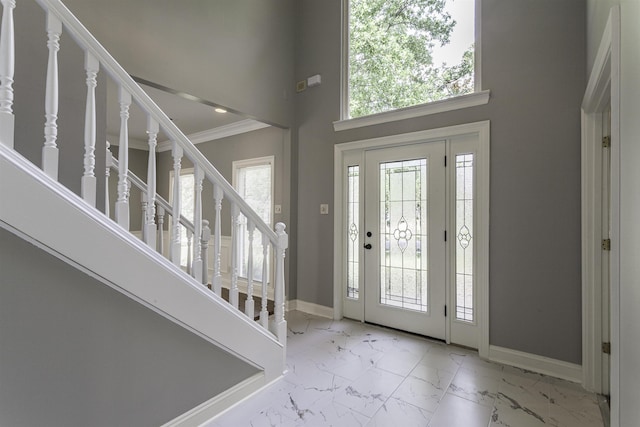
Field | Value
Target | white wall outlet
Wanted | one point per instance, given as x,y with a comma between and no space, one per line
324,209
277,209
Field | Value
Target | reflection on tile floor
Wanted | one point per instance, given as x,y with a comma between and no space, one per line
346,373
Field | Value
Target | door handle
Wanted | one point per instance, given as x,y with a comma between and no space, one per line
367,246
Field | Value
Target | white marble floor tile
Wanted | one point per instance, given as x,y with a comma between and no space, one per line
347,373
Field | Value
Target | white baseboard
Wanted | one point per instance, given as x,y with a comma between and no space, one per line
220,403
309,308
532,362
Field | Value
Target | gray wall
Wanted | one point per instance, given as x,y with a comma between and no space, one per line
237,53
533,56
74,352
30,79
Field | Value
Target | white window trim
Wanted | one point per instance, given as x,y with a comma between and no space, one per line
479,97
347,150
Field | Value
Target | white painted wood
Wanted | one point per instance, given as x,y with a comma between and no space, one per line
175,232
310,308
7,67
150,219
235,258
205,412
122,204
430,322
264,313
204,245
457,103
198,176
143,216
280,325
142,273
189,252
540,364
342,151
50,149
107,174
249,303
160,245
217,278
88,182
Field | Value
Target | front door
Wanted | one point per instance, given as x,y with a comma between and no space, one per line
404,238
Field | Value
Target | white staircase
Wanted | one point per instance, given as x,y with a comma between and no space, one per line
81,235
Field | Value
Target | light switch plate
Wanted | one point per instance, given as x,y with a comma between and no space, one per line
324,209
277,209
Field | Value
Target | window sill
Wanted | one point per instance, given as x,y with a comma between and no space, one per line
457,103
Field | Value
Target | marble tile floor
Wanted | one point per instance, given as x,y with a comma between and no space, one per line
346,373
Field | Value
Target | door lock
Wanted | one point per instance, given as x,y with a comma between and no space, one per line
367,246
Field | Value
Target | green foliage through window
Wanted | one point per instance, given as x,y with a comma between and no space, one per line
392,61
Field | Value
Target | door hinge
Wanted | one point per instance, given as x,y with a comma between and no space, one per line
606,141
606,244
445,161
606,347
445,310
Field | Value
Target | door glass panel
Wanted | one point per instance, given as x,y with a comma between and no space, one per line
353,231
403,230
464,237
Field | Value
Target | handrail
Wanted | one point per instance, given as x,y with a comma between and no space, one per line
84,38
141,185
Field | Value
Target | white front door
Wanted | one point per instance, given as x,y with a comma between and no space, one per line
404,238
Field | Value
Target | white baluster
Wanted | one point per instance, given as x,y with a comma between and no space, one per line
144,205
122,204
107,174
235,224
217,275
7,65
189,238
161,230
88,183
249,307
204,243
198,176
150,220
264,313
50,149
280,326
175,234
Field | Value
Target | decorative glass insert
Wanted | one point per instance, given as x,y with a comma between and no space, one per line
464,237
353,231
403,234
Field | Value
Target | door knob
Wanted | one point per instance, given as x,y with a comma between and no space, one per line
368,234
367,246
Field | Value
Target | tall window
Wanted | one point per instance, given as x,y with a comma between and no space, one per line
253,179
186,209
408,52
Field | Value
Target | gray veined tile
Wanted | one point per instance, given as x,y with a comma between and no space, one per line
455,411
369,392
421,393
476,388
396,412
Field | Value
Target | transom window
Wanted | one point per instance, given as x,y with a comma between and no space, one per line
403,53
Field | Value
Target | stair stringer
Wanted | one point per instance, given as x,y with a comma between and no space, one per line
57,220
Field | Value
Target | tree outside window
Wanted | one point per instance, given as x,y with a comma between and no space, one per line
408,52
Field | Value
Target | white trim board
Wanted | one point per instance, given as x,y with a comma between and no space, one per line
540,364
309,308
237,128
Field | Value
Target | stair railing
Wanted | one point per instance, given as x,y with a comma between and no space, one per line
97,58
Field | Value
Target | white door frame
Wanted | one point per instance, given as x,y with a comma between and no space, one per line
481,130
603,87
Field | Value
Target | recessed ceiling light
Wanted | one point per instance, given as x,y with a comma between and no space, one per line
220,110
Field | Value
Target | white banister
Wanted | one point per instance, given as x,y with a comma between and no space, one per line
235,245
280,325
161,230
189,251
50,149
249,307
217,275
144,205
206,237
175,233
198,176
122,204
264,313
107,174
88,183
149,223
7,66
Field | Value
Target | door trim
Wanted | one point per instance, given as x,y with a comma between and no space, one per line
603,86
482,131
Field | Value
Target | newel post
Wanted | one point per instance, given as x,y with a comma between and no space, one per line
279,328
7,65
